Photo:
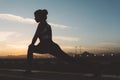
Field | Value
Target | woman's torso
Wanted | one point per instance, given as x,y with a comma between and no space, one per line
45,33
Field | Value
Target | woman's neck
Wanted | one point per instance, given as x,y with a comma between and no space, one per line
43,22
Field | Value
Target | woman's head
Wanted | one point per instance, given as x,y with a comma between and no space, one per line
40,15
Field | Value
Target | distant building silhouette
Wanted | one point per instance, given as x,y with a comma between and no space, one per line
84,54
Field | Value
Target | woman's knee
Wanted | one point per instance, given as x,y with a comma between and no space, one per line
31,48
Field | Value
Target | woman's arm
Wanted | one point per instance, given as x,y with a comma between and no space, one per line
34,40
35,37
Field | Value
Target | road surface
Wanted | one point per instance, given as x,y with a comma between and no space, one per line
19,74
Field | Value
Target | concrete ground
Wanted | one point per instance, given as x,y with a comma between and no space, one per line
18,74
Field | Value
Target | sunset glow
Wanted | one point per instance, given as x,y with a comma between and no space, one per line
86,25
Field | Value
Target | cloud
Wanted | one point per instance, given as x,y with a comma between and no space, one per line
11,37
15,18
108,44
12,42
11,17
58,25
64,38
5,35
21,46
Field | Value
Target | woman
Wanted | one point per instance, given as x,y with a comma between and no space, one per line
46,45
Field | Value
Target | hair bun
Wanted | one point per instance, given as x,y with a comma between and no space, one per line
45,12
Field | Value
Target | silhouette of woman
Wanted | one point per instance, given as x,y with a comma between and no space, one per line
46,45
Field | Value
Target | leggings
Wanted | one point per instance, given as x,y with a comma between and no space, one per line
51,48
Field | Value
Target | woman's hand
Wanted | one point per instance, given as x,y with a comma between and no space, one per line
31,45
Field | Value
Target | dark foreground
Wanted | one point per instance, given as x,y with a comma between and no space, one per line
52,69
17,74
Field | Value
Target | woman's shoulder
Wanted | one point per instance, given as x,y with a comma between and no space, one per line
49,25
45,25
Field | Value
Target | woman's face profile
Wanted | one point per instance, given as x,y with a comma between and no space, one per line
37,18
40,15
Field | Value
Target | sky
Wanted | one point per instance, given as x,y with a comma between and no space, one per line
87,24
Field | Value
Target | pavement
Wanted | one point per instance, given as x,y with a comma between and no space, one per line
20,74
